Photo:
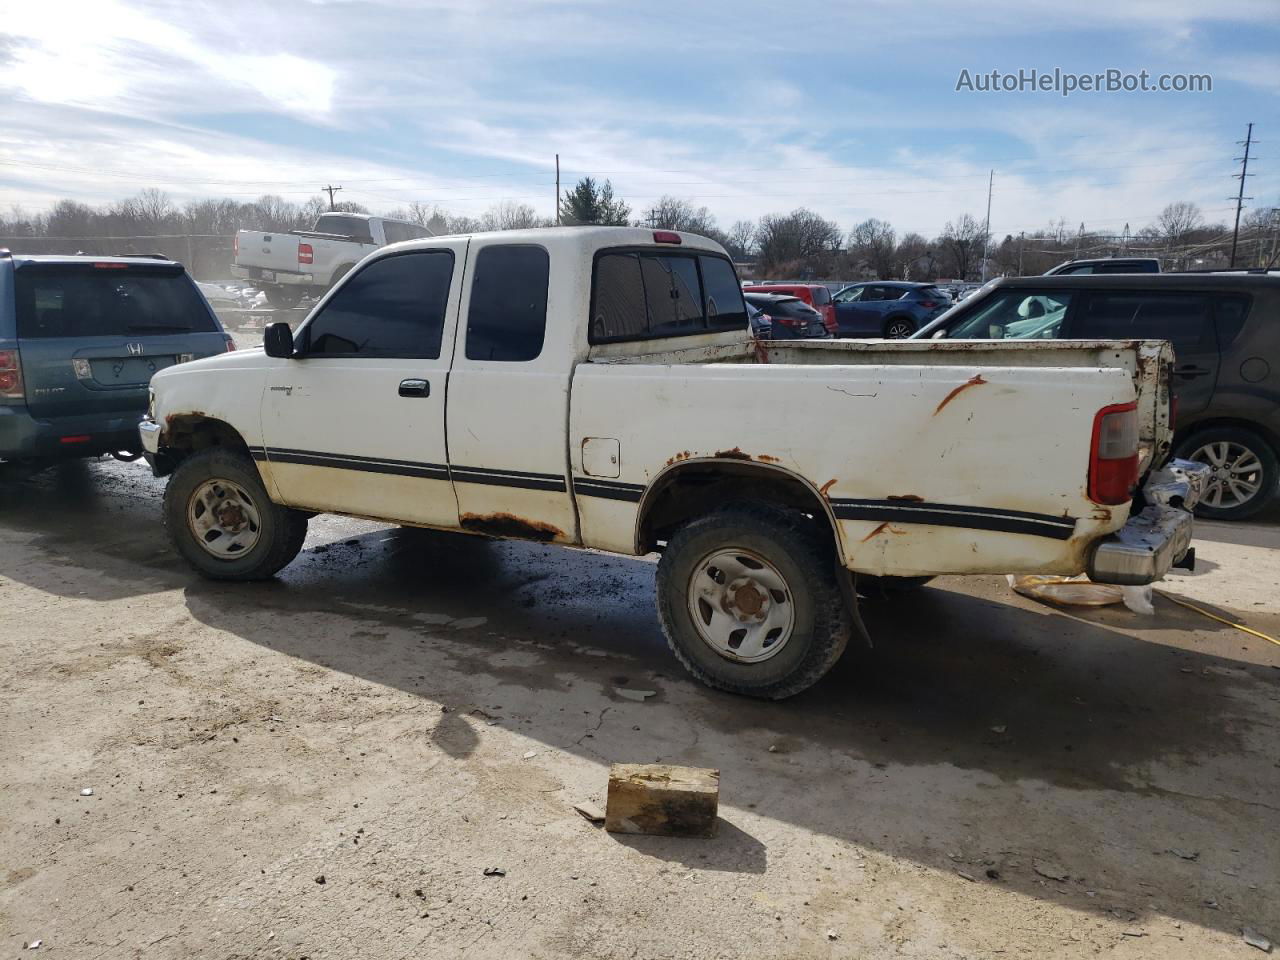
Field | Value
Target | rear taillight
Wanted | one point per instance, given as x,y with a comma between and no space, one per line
928,304
10,375
1113,456
305,253
231,344
235,245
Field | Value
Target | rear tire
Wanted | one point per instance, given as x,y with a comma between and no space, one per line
774,559
1247,463
283,298
216,479
899,328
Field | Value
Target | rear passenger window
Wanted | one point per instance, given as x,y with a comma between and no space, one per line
821,296
725,308
1229,312
394,307
395,232
643,295
1182,319
507,319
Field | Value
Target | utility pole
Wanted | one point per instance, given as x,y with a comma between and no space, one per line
557,189
986,230
331,190
1022,239
1240,197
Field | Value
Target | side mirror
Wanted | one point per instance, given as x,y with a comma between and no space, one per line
277,340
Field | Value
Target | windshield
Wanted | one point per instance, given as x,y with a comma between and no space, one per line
1014,315
81,300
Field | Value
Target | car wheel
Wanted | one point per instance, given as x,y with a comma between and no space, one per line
750,603
899,328
1245,471
283,298
221,520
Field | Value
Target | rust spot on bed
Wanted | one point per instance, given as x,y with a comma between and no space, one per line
975,381
910,497
734,454
682,455
509,525
765,458
827,486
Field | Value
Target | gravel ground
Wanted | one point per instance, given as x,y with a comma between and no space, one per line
323,766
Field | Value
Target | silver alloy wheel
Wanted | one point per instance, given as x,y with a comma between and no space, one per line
741,605
899,330
1236,474
224,519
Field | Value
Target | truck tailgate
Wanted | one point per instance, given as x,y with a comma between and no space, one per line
267,251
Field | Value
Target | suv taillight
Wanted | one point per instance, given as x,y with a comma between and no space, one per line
10,375
1113,456
235,245
231,344
305,253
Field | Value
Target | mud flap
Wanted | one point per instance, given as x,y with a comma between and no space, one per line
849,587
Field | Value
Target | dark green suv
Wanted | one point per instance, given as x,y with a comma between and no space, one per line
80,338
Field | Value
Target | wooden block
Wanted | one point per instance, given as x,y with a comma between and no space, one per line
663,800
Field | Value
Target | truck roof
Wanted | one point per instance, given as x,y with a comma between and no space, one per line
1143,281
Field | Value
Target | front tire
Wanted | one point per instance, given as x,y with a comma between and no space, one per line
1245,471
750,603
221,520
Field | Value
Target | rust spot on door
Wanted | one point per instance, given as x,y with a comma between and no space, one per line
734,454
975,381
827,486
910,497
881,528
509,525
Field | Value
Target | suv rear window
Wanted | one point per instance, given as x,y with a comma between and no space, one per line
791,307
77,300
641,295
821,296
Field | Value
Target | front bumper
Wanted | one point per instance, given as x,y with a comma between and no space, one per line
1158,538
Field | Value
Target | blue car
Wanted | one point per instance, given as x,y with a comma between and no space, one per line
80,338
887,308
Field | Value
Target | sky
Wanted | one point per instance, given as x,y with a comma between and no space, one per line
849,109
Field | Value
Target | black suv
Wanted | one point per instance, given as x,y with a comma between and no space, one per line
1225,331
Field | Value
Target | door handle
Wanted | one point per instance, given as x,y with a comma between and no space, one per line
415,388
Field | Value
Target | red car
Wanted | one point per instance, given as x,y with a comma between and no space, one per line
815,295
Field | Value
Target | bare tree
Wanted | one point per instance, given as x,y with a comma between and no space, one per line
874,241
961,243
909,257
672,213
1177,220
512,216
741,238
800,241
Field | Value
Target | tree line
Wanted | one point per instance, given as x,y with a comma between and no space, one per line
801,243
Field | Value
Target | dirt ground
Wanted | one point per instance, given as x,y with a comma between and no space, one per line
324,766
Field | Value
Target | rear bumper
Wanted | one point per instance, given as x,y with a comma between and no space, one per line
285,277
24,437
1151,543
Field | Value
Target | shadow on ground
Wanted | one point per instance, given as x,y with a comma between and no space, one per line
1053,719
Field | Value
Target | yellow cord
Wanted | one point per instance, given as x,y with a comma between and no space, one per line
1214,616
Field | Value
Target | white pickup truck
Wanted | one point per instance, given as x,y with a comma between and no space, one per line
597,387
301,263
